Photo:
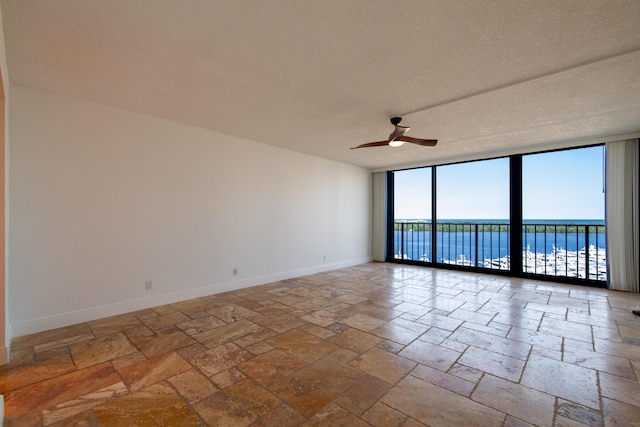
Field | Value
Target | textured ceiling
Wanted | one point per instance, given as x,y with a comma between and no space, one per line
483,77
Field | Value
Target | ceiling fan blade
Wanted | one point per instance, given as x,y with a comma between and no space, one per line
419,141
372,144
399,131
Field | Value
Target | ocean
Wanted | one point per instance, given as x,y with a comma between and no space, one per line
548,245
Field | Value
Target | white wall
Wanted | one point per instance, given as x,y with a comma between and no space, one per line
102,200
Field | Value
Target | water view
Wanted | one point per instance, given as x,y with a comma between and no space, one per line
570,248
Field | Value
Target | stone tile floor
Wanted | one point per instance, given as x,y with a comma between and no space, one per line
373,345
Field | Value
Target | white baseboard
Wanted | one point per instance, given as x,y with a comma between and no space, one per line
99,312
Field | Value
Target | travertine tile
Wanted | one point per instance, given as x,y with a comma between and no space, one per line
375,310
306,347
444,380
83,419
400,330
493,363
412,308
618,414
62,343
602,362
238,405
192,385
227,378
566,329
259,348
312,388
233,331
363,322
466,372
410,395
515,422
362,395
443,303
508,347
355,340
282,323
142,374
165,309
381,415
165,320
140,335
283,416
431,355
256,337
343,355
166,343
577,414
81,405
192,350
114,324
564,380
271,366
367,344
620,349
32,373
200,324
318,331
127,360
220,358
100,349
333,415
60,389
435,335
386,366
191,306
522,402
620,389
536,338
154,405
50,336
352,299
439,321
321,317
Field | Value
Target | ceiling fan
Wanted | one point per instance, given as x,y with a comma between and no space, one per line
398,138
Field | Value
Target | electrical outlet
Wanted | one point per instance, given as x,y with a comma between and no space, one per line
235,271
148,285
324,257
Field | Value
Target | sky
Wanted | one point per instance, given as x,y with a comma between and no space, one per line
557,185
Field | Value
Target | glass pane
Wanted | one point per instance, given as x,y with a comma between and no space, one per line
473,214
563,213
412,213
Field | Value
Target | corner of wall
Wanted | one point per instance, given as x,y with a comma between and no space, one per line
5,336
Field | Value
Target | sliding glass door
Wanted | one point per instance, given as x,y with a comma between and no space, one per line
412,215
563,214
535,214
472,201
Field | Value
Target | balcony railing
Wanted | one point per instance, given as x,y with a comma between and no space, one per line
554,249
570,250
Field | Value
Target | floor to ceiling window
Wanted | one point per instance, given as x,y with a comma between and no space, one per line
534,214
563,213
472,205
412,213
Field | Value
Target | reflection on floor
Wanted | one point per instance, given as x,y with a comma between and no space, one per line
377,344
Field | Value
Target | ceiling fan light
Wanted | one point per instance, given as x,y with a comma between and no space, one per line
396,143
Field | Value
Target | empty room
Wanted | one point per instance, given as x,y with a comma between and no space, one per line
328,213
